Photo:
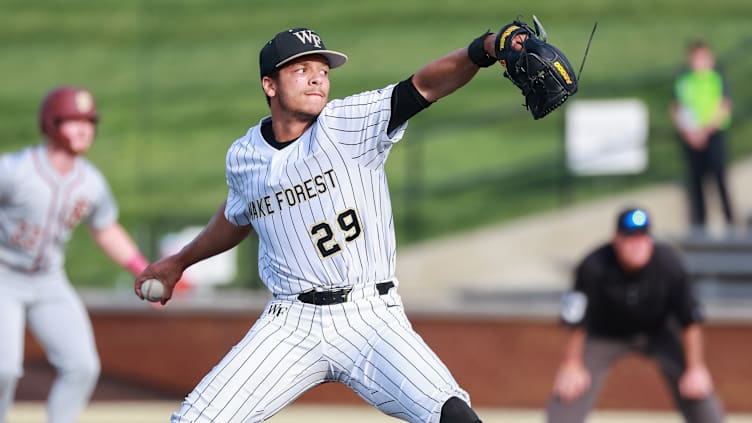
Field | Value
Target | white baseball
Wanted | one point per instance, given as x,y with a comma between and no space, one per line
152,290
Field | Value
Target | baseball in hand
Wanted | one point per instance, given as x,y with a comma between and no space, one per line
152,290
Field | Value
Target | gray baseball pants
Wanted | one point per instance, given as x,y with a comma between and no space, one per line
664,348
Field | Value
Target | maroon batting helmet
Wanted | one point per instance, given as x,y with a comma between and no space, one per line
63,103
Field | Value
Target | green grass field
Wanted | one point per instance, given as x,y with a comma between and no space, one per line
177,82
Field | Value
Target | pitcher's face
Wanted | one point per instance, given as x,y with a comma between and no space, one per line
302,87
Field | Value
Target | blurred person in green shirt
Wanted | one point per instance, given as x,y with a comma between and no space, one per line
701,113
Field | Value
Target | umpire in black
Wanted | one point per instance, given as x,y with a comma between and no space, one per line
632,295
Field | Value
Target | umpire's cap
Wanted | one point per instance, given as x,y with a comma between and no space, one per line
632,221
294,43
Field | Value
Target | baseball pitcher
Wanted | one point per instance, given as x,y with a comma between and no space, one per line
309,179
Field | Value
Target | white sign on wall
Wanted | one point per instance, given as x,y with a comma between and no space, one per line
216,270
606,136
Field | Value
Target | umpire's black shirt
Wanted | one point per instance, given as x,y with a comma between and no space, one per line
622,304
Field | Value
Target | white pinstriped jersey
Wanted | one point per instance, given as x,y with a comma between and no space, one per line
39,208
321,206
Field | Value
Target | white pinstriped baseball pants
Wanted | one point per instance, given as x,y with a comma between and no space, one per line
367,344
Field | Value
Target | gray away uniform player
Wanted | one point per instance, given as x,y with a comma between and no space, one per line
45,191
310,180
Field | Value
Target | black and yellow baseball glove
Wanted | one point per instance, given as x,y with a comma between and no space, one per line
539,69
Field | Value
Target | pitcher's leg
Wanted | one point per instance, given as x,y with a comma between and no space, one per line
389,365
277,361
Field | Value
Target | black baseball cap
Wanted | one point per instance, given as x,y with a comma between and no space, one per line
633,221
294,43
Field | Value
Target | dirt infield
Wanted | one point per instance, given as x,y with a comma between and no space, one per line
159,412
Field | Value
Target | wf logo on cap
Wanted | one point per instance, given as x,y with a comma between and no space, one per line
308,37
292,44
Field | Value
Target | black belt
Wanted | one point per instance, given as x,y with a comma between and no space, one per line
337,296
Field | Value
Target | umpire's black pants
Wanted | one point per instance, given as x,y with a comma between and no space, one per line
711,161
664,348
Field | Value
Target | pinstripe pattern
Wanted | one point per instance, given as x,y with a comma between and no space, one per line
323,215
367,344
335,166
